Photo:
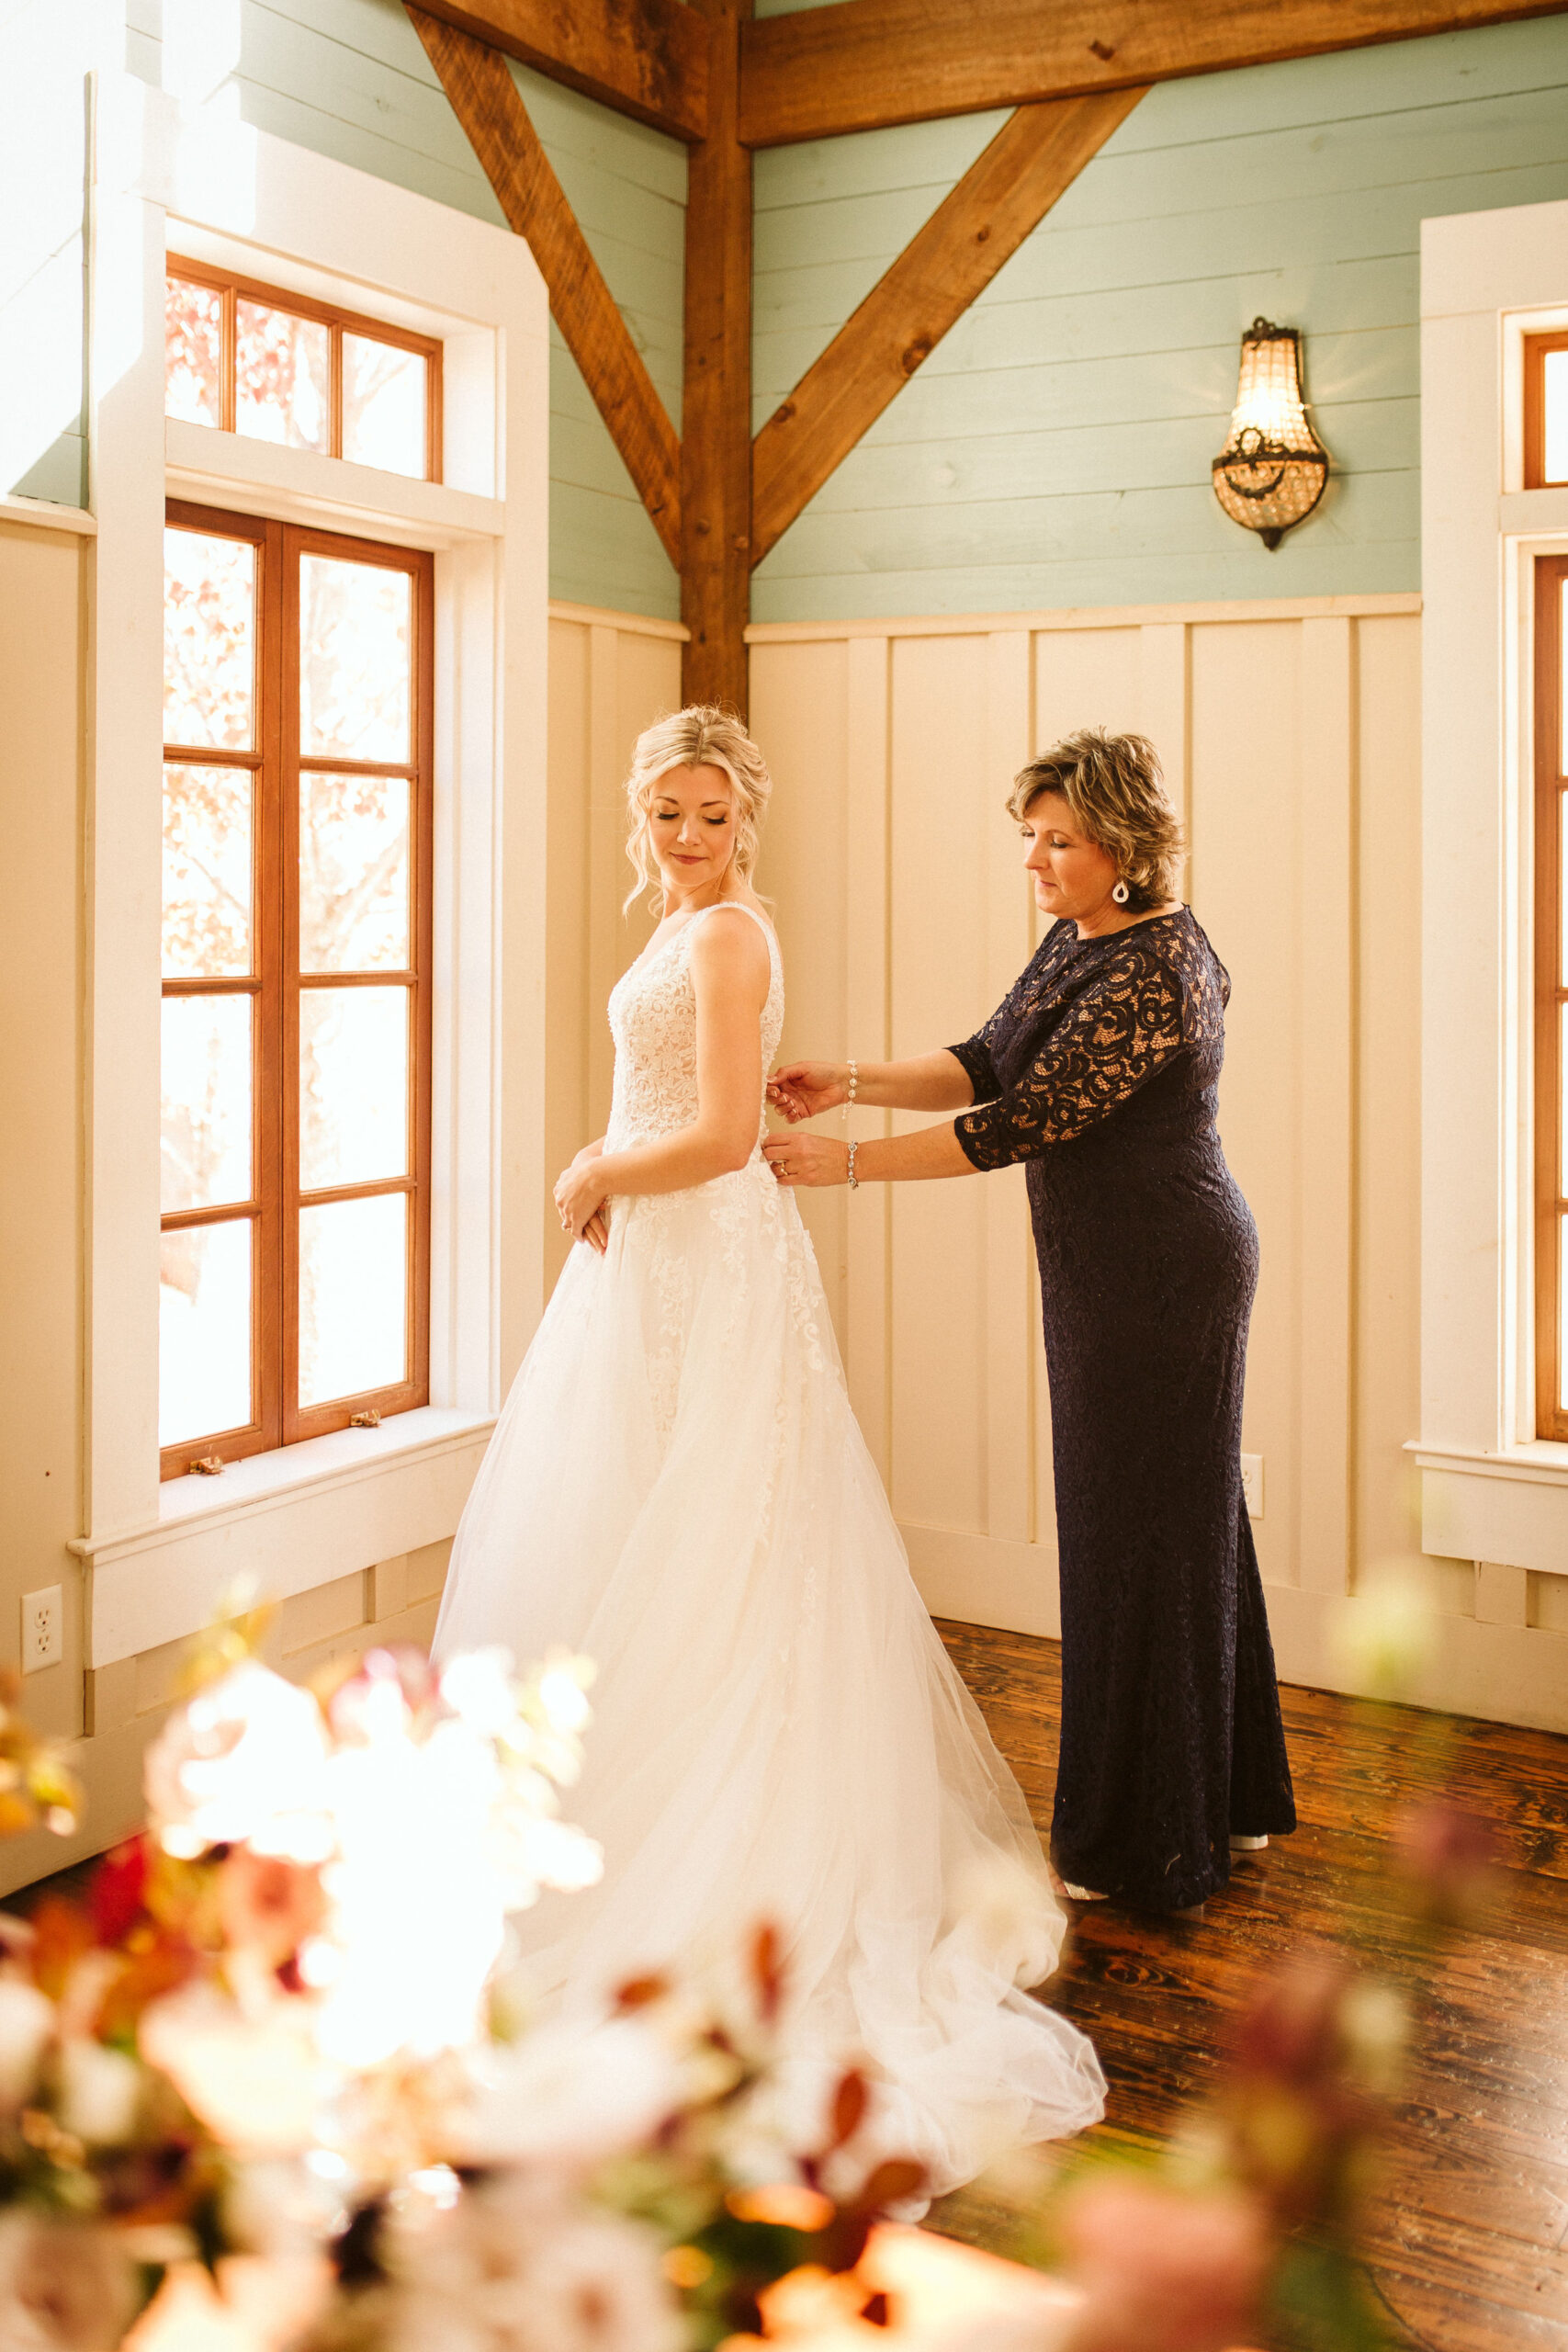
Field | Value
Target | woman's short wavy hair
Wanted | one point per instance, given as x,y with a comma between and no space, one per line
1115,788
701,735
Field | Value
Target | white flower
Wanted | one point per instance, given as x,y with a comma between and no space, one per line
100,2091
571,2094
518,2266
26,2020
65,2286
254,2079
241,1762
479,1686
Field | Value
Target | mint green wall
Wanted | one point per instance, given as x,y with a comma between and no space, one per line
1054,449
349,79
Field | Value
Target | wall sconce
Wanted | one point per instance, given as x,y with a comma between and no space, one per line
1271,472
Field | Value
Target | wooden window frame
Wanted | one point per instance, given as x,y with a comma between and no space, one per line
232,287
274,984
1551,994
1536,349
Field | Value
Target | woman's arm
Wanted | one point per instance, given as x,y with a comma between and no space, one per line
936,1082
1119,1034
885,1160
730,975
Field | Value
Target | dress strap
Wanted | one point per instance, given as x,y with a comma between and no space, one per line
740,908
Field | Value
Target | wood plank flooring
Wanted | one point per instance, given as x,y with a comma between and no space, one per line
1467,2237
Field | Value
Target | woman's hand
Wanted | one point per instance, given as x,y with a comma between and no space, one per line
801,1088
580,1195
807,1159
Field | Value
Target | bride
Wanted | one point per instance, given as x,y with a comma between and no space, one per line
677,1488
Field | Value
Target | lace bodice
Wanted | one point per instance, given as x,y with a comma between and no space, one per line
653,1019
1086,1026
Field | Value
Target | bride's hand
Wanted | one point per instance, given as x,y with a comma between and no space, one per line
580,1195
801,1088
807,1159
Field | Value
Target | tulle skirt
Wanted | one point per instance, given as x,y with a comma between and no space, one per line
678,1487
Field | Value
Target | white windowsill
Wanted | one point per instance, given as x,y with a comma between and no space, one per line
300,485
265,1480
1541,1460
302,1516
1509,1508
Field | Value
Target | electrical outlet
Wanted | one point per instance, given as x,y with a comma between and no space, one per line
42,1635
1252,1484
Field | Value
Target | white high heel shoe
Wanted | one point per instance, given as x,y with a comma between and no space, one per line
1247,1845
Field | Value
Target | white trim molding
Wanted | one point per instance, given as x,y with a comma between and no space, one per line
1491,1491
172,179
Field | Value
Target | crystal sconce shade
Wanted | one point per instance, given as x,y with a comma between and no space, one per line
1272,469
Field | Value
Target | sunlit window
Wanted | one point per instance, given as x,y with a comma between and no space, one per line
1552,996
270,365
295,1097
1546,409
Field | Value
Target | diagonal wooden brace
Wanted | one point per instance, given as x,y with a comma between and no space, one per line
488,104
1005,194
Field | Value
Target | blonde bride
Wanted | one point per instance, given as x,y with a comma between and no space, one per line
678,1487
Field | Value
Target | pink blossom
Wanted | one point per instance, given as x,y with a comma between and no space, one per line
1162,2271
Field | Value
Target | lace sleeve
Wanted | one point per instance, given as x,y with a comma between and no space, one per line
1115,1038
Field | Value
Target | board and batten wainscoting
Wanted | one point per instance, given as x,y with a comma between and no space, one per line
1291,734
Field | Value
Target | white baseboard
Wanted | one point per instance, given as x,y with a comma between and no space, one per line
1511,1674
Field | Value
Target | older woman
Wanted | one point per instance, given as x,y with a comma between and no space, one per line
1099,1071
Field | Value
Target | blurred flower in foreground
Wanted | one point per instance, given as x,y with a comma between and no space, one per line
516,2265
63,2288
1314,2055
1386,1634
1162,2270
1447,1859
35,1784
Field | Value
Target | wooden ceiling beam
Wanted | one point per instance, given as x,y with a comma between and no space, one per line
645,57
486,101
861,64
1005,194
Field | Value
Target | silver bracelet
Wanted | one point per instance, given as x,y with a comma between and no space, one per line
854,1180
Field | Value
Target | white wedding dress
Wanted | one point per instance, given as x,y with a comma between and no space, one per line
678,1487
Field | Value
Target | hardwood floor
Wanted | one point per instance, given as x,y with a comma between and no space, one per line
1467,2237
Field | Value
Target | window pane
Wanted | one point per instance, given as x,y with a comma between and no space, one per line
210,595
354,873
204,1332
193,348
1554,404
354,1086
208,883
353,661
383,405
282,374
206,1101
353,1294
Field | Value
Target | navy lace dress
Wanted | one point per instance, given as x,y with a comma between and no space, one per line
1099,1071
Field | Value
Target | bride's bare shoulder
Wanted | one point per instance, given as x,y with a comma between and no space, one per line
730,954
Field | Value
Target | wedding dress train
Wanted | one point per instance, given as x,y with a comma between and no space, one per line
678,1487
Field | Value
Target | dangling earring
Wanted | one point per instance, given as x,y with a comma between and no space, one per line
1121,894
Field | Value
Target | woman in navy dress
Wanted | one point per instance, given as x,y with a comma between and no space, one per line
1099,1071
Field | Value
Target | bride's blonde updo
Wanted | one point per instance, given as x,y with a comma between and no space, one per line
700,736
